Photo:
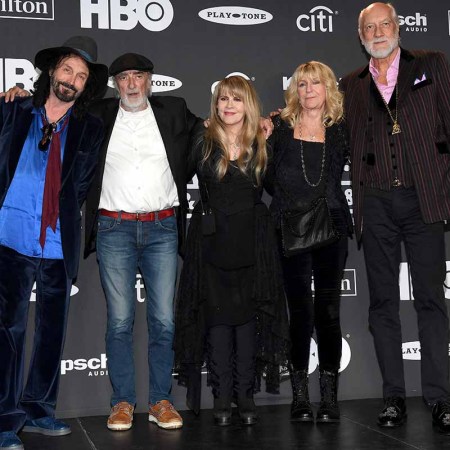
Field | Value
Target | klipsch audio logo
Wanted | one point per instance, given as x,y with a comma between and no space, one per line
235,15
95,367
16,72
26,9
415,23
320,18
154,15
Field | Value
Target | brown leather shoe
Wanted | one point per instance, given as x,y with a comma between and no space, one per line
165,415
121,417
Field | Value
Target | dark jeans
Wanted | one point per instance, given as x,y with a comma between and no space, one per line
231,359
321,312
389,218
17,275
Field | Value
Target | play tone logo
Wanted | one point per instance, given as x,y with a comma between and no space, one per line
26,9
235,15
411,350
160,83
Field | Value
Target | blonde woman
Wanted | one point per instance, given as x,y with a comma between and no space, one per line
310,149
230,308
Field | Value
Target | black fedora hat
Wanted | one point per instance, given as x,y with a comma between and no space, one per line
83,46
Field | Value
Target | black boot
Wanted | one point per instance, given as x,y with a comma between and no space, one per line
222,411
301,407
247,410
329,408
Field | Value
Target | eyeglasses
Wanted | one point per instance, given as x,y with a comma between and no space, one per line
47,131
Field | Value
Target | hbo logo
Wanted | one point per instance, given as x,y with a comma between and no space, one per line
154,15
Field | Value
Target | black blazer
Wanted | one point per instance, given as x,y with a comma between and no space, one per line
80,156
337,155
177,126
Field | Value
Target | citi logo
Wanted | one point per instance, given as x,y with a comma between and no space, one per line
163,83
314,356
238,74
235,15
26,9
96,366
416,23
320,18
16,72
154,15
73,291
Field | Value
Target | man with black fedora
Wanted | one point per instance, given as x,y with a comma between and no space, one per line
48,151
135,219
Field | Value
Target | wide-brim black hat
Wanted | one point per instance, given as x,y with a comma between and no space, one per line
86,48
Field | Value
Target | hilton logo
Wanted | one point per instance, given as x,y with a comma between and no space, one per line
348,283
26,9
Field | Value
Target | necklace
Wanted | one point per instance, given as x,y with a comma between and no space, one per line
235,149
396,126
303,160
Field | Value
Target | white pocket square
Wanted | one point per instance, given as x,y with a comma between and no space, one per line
419,80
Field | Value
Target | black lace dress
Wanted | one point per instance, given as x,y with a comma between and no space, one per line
229,277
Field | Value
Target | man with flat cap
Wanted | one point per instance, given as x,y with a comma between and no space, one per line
135,218
48,150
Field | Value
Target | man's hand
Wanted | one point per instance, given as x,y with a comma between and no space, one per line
14,92
266,125
275,113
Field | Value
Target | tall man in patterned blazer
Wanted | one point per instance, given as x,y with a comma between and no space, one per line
398,112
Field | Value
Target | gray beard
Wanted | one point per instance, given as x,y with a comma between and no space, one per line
382,53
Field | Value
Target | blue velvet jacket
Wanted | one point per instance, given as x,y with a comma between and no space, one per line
80,157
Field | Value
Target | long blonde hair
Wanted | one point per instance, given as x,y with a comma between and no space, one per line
253,156
334,109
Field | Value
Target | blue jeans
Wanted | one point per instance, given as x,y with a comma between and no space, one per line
123,247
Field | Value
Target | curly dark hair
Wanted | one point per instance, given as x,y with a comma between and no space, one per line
42,87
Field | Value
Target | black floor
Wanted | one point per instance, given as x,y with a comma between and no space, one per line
274,431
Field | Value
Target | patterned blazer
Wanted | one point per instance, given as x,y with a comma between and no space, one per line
424,117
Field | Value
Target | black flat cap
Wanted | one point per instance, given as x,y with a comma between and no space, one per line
130,61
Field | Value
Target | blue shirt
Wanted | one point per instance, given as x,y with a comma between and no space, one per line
20,215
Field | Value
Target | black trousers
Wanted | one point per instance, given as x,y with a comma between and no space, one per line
231,360
389,218
17,275
321,312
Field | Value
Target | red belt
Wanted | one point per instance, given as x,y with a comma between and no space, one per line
140,217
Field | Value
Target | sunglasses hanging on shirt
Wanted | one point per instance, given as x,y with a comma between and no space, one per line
47,131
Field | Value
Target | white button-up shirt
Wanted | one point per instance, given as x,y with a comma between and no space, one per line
137,176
